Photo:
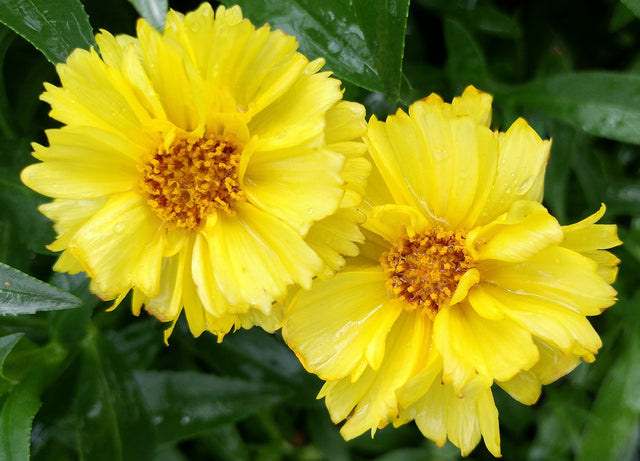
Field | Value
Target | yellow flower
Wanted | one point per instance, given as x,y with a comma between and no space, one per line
465,279
204,168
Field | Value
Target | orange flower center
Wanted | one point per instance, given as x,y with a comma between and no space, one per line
192,178
424,270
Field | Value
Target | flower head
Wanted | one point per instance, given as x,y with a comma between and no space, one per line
465,280
204,168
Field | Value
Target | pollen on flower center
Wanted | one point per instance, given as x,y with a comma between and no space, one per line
424,270
190,178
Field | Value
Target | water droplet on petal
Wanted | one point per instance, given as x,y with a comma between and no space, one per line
119,227
185,420
525,186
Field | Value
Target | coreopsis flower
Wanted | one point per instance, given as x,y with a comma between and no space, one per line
208,167
465,280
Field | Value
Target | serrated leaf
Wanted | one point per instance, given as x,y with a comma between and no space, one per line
154,11
6,345
185,404
17,414
112,420
605,104
611,434
22,294
361,43
55,27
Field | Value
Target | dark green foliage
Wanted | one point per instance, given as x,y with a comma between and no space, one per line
85,384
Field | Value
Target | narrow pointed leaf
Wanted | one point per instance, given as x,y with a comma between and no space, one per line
22,294
16,416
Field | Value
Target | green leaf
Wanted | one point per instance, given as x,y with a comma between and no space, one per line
6,345
112,420
605,104
226,442
567,142
69,327
185,404
612,432
154,11
55,27
633,5
22,294
361,43
479,15
255,355
465,64
17,415
326,437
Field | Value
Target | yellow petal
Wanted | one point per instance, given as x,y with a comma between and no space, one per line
472,345
299,186
446,179
475,104
516,235
489,428
81,166
113,241
176,86
554,323
392,145
213,301
525,387
587,236
256,256
335,236
166,306
443,413
299,116
95,95
394,221
553,364
607,264
521,163
422,381
370,401
555,273
68,217
345,121
340,323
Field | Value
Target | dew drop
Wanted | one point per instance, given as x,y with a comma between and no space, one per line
439,154
310,211
185,420
119,227
508,190
525,186
157,420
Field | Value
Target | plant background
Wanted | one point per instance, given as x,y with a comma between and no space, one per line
77,382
